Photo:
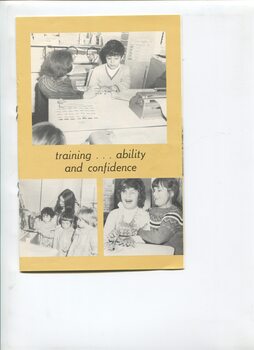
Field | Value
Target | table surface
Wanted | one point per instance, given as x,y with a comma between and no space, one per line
112,114
27,249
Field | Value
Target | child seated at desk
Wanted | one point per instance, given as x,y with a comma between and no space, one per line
85,236
112,76
64,233
54,82
123,223
46,225
166,223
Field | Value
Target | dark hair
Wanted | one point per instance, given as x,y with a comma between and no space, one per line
111,48
69,201
47,211
57,64
170,184
47,134
67,215
137,184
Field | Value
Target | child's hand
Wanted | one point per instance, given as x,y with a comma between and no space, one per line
105,90
90,93
126,242
112,235
114,89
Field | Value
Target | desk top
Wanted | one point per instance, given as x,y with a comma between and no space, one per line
28,249
98,113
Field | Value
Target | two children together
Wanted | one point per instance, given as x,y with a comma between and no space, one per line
110,76
161,224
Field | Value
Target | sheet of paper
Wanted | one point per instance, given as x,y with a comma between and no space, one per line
76,110
163,104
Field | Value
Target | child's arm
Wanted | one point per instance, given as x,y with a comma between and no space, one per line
94,242
73,246
56,240
110,223
58,89
94,80
167,230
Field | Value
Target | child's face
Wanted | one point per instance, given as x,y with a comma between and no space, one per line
65,224
161,196
83,220
46,218
129,198
113,61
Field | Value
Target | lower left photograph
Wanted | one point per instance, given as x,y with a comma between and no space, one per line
58,217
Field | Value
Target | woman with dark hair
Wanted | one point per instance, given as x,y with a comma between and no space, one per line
66,200
166,223
123,223
111,76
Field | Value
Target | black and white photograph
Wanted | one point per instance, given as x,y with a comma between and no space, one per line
58,217
143,217
98,88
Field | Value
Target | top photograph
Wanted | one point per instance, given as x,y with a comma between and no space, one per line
98,88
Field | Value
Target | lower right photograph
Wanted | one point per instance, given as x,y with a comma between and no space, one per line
143,217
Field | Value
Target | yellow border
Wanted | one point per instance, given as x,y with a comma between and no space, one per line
38,162
92,263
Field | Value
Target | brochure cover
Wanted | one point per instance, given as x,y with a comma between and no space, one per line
100,143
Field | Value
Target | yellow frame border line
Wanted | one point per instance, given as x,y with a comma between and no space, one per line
109,263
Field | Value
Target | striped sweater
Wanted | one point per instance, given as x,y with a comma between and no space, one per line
166,227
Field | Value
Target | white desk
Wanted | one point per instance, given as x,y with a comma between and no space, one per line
140,249
108,114
27,249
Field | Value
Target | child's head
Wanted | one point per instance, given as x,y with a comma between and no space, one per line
47,214
165,192
57,64
65,199
86,216
131,192
112,53
66,219
47,134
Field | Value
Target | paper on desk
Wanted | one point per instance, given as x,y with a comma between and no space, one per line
76,111
163,104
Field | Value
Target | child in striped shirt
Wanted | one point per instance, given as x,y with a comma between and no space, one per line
166,223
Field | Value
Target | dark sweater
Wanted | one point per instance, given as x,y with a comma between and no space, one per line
166,228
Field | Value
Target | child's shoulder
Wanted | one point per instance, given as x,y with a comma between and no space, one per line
143,213
114,212
124,67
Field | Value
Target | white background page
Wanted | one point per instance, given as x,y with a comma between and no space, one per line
210,304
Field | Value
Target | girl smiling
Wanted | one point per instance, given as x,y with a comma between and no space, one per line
123,223
166,223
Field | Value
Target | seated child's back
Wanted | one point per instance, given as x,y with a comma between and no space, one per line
54,82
